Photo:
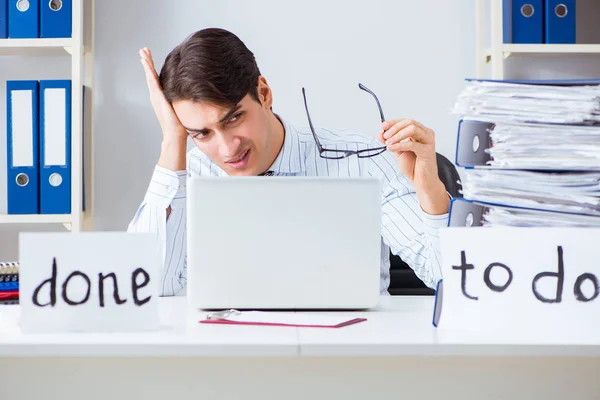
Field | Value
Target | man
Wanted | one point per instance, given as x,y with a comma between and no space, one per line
210,89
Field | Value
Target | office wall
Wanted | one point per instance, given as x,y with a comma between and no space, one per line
413,54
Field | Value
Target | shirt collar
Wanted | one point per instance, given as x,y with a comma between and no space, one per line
288,160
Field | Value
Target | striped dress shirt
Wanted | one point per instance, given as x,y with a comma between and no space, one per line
406,229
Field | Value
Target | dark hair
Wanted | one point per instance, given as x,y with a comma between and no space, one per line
211,65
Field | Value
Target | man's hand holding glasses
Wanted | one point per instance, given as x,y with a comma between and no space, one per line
413,145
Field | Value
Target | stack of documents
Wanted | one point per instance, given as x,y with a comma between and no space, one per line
574,196
528,145
531,152
577,192
510,216
558,102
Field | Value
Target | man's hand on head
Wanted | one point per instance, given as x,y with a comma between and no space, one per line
174,144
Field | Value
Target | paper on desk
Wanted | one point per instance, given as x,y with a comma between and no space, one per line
276,318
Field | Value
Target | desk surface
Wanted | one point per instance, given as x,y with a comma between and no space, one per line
399,326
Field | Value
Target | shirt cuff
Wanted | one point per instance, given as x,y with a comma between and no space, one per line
434,222
165,186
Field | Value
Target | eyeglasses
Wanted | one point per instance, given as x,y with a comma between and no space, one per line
339,154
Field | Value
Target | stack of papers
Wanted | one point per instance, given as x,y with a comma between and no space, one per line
505,216
545,146
493,101
543,141
573,192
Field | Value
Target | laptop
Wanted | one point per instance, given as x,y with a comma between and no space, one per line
283,243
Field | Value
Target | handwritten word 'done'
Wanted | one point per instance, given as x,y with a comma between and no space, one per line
102,281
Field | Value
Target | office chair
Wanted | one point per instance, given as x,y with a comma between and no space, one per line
403,280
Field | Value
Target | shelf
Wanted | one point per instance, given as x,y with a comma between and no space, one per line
489,58
36,219
21,47
79,48
552,48
508,49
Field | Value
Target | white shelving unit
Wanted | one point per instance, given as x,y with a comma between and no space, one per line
80,47
498,51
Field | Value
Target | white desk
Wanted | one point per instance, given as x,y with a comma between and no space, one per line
395,353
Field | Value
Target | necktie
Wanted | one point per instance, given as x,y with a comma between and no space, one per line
268,173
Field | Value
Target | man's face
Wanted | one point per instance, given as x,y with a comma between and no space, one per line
237,139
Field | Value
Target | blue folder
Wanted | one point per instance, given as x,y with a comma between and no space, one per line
55,147
523,21
22,147
3,19
23,19
56,19
560,21
472,141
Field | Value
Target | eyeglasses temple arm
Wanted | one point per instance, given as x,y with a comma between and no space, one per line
311,124
366,89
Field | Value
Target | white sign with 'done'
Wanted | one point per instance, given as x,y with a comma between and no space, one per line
91,281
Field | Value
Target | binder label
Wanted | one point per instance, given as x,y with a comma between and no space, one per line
55,125
92,281
22,128
520,278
